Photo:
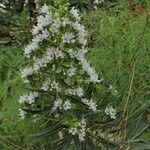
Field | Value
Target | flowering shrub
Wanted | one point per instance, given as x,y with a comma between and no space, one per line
58,75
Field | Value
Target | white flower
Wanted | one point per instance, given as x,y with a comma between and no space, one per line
29,48
28,98
79,91
111,112
22,99
45,34
41,22
80,54
38,38
95,7
80,130
83,122
87,68
39,63
45,85
113,90
92,105
66,22
82,34
35,30
67,105
71,72
55,25
59,53
96,1
57,103
82,134
72,53
44,9
75,12
46,58
22,113
73,131
49,54
55,85
70,91
68,38
48,19
77,26
82,38
26,72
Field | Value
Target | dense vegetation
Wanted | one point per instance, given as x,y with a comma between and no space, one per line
118,41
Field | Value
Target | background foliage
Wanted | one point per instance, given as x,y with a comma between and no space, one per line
119,50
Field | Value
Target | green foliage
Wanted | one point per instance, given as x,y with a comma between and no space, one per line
14,133
121,55
118,41
121,42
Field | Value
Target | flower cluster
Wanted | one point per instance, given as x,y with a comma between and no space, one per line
71,72
28,98
97,3
57,104
75,13
35,41
50,85
113,90
38,31
79,130
46,58
58,67
68,38
67,105
111,112
42,62
80,56
22,113
92,105
78,91
45,85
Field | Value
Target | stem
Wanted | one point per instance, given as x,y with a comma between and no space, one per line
90,5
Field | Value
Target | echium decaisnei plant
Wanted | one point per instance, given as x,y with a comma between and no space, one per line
59,76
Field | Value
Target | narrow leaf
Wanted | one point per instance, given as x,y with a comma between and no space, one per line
50,130
91,144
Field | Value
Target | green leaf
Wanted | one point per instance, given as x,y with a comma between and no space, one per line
140,145
106,143
63,144
67,142
139,111
84,145
59,144
91,144
56,127
77,142
138,125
